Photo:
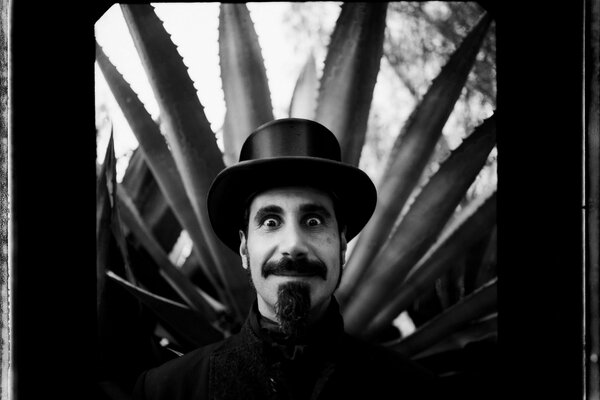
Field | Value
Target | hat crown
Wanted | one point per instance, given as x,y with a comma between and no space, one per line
291,137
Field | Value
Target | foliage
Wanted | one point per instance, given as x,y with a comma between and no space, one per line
429,223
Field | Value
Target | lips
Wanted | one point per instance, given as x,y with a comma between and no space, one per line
295,274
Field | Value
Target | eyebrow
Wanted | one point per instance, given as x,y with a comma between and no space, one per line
315,208
264,211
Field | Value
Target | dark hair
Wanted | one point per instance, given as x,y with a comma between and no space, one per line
338,210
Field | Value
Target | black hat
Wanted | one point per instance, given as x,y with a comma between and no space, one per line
289,152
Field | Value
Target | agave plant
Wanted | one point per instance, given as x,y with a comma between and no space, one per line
423,236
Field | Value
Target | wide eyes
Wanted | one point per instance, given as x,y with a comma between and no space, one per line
273,222
313,221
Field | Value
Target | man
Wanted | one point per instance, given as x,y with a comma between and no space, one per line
289,207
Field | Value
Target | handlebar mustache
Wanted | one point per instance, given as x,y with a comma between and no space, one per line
302,266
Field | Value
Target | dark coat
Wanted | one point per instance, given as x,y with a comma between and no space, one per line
251,365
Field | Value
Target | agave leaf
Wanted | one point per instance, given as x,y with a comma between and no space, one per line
449,288
107,218
304,98
409,156
350,74
143,189
104,189
188,132
421,225
195,274
244,78
475,259
228,126
104,201
185,323
117,231
117,323
475,221
160,161
179,282
488,264
478,330
478,304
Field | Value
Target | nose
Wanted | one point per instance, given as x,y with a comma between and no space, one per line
293,242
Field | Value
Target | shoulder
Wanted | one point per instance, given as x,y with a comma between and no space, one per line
384,370
382,357
182,377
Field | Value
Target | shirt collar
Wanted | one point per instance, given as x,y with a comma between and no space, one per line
323,334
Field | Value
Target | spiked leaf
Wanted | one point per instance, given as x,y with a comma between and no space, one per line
410,154
478,304
478,220
117,315
475,331
304,98
488,265
141,185
183,321
179,282
350,74
189,135
108,221
244,78
105,186
160,161
104,202
421,225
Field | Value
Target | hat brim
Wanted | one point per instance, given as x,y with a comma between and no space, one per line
231,189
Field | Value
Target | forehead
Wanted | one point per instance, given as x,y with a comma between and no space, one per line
290,198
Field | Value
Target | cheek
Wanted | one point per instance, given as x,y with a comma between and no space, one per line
255,268
258,254
330,247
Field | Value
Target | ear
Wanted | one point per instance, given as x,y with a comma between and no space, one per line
343,245
243,250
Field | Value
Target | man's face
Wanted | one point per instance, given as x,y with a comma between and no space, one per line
297,224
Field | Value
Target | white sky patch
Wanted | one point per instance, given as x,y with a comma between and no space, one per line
182,249
404,323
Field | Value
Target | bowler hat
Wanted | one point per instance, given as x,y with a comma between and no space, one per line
289,152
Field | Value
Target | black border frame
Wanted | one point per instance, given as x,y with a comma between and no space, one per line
540,86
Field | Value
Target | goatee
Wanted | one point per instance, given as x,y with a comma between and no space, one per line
293,308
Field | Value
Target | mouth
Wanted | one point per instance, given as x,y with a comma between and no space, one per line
295,274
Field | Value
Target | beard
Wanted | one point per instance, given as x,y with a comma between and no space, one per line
293,308
293,305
